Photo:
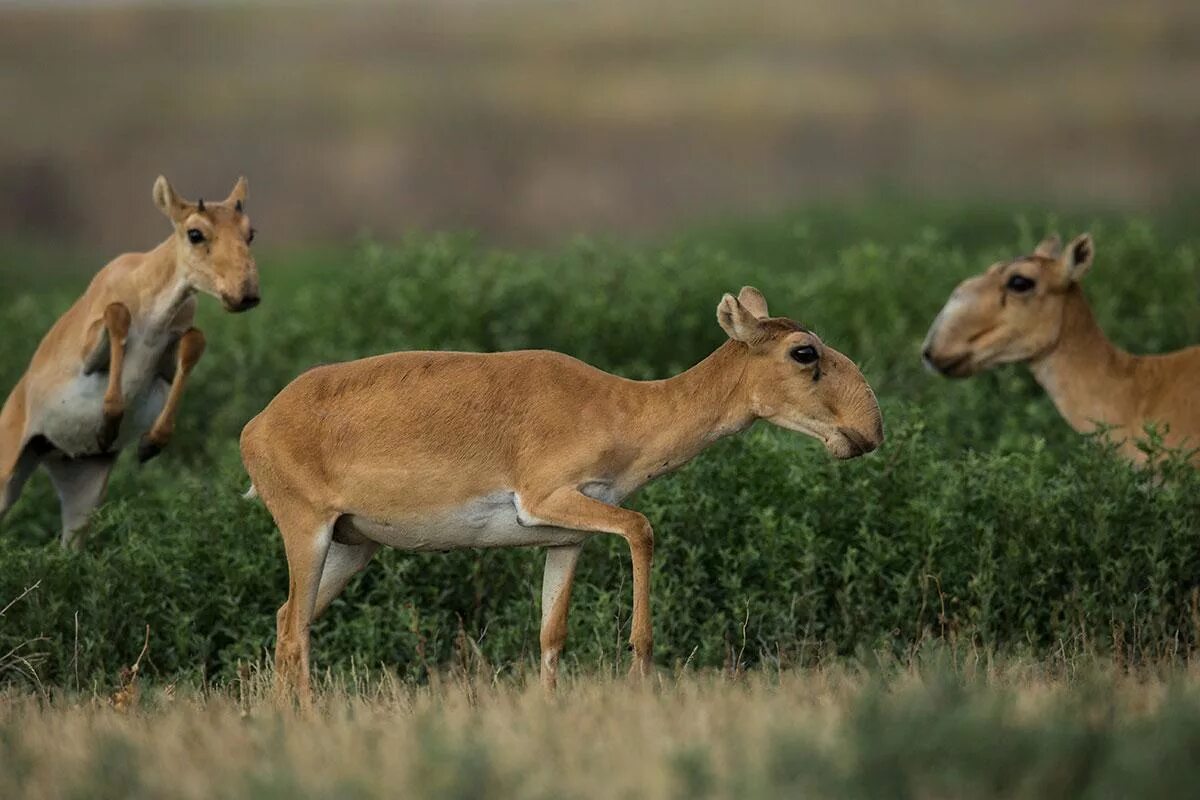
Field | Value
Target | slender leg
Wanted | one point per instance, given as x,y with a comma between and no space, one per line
343,563
556,601
107,341
188,351
13,437
307,535
10,486
80,483
567,508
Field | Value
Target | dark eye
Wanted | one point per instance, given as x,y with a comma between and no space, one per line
250,236
806,354
1020,284
195,236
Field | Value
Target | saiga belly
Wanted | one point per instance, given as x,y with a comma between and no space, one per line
71,415
490,521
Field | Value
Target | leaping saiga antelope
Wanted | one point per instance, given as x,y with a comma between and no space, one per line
441,451
1032,310
115,364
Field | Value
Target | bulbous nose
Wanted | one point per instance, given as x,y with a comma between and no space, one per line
247,302
247,297
949,366
863,443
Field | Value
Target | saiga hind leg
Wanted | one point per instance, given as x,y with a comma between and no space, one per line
187,353
345,560
27,461
81,484
307,535
106,345
557,580
19,453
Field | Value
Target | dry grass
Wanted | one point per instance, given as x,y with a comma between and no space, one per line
829,731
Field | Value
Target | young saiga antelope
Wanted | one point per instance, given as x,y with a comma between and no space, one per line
1032,309
115,364
440,451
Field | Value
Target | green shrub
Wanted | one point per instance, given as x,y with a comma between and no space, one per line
984,520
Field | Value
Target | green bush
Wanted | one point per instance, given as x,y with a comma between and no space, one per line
983,520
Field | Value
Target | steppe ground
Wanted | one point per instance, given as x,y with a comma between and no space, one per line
939,729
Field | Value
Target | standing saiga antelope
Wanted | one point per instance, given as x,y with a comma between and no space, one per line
115,364
1032,309
442,450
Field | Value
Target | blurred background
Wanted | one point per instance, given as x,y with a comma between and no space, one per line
532,121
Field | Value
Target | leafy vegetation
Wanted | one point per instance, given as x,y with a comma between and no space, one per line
983,522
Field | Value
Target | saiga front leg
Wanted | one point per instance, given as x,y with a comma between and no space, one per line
568,508
106,343
187,353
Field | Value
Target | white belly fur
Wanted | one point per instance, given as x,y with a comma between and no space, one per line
73,416
490,521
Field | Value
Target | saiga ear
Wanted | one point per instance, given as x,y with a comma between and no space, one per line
1077,258
168,202
241,190
1050,247
737,321
753,301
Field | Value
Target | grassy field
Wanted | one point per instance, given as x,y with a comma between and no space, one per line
1056,589
936,729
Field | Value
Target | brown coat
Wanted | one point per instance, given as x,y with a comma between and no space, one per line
115,364
436,451
1033,310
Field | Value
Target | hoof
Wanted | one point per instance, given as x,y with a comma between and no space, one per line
108,434
147,449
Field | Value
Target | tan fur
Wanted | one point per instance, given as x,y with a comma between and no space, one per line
130,336
1051,327
387,449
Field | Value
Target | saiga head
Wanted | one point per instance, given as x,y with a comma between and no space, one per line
796,382
213,244
1012,312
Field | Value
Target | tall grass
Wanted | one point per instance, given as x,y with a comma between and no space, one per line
983,522
931,727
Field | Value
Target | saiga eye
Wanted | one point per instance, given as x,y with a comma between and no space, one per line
805,354
1020,284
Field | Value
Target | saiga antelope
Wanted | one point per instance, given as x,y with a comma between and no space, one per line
442,450
115,364
1032,310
